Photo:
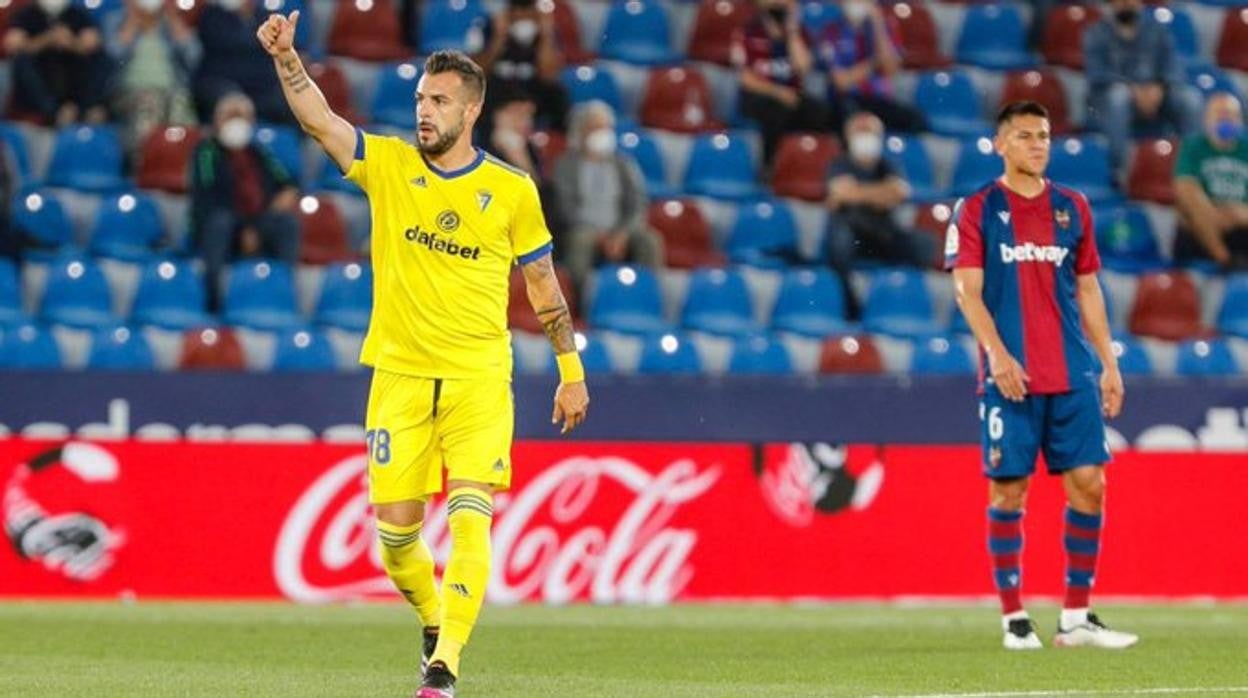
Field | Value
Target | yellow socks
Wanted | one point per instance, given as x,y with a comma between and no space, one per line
469,515
409,563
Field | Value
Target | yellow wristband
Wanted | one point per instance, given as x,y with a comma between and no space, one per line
570,368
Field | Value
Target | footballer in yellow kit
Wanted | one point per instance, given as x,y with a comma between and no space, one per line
448,223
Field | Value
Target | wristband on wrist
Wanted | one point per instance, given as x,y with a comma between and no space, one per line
570,368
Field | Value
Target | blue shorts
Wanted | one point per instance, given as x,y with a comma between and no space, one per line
1067,427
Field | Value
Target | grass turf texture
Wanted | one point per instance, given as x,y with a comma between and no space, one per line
180,649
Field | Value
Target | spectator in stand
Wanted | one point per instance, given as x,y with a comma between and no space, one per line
773,55
60,71
522,53
602,198
242,199
1211,188
234,62
156,53
512,140
1136,82
11,242
860,51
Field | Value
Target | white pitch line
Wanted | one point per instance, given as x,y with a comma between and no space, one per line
1206,690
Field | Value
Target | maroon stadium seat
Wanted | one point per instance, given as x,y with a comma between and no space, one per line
1167,306
1233,44
215,349
678,99
333,83
1152,171
1063,34
933,220
686,234
568,32
520,315
369,34
324,237
850,354
801,166
551,146
166,158
920,40
1043,86
713,27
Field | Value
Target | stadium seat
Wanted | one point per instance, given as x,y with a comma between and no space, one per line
818,14
13,138
710,40
810,302
99,8
88,158
10,293
520,315
324,236
1063,34
763,235
1233,315
933,220
919,37
637,31
166,158
370,31
977,165
453,24
594,355
76,294
392,101
721,166
645,152
1211,358
170,295
678,99
687,242
759,355
260,294
336,88
346,297
801,166
1182,30
1151,177
1083,163
1167,306
585,83
718,303
283,144
302,351
899,304
40,218
1043,86
1211,79
940,356
551,145
850,354
211,349
29,347
127,227
951,104
120,349
1124,237
568,33
669,354
993,37
1132,358
330,178
627,299
909,157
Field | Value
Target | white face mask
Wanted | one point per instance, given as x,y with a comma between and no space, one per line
856,11
524,31
601,142
865,147
150,5
235,133
230,5
54,7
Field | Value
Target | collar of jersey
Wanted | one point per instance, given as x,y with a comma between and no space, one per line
476,162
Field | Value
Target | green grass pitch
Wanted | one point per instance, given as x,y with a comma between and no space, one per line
218,649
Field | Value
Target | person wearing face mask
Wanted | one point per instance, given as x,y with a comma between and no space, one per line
232,62
522,53
242,199
1136,81
863,191
1211,188
860,51
602,198
60,72
155,52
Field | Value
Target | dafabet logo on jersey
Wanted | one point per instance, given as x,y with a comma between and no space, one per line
448,222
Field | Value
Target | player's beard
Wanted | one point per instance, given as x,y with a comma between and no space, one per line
444,141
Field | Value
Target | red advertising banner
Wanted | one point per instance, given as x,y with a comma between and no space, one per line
636,523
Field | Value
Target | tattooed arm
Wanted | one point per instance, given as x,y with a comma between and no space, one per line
572,397
335,134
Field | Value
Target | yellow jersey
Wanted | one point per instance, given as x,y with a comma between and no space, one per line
443,244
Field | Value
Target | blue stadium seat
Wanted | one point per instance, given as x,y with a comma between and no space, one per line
951,104
763,235
645,152
393,104
817,15
811,302
909,157
10,293
170,295
1233,315
993,37
627,300
127,227
346,297
18,148
718,303
1132,359
721,167
40,217
898,304
759,355
669,354
76,294
303,350
261,295
1210,79
1206,358
586,83
1124,236
637,31
1083,163
28,347
978,164
88,158
449,24
330,178
120,349
99,8
284,145
1181,28
940,356
957,322
594,355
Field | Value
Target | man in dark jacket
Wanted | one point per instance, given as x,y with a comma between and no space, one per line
60,71
233,62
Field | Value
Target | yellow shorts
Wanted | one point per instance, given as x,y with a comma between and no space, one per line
415,426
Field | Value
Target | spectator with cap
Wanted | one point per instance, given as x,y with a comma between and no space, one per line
60,71
1211,188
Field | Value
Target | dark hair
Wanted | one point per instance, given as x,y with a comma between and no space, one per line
1023,108
458,62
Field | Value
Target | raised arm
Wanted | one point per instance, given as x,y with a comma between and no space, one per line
336,136
572,397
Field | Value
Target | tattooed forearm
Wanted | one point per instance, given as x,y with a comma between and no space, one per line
557,323
547,300
295,78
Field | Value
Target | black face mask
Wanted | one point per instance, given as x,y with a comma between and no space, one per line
1127,16
779,14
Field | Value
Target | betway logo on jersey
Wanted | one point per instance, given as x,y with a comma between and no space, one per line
1031,252
436,243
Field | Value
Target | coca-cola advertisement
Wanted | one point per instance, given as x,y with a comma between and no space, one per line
596,522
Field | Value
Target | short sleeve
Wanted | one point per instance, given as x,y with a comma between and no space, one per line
1087,258
1186,164
964,240
376,150
530,239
